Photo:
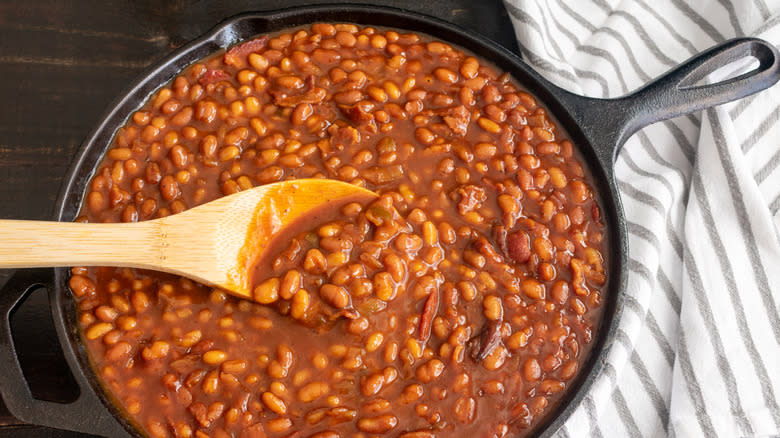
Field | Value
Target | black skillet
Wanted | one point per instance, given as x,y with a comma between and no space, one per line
598,126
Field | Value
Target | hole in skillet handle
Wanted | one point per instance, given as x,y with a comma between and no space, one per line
681,91
38,350
85,414
737,54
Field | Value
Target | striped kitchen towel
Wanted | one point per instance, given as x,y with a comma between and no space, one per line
698,352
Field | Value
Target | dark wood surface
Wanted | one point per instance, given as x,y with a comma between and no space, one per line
61,64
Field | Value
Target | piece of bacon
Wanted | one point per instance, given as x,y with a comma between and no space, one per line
457,119
212,76
471,198
487,341
486,249
426,318
237,55
357,114
313,96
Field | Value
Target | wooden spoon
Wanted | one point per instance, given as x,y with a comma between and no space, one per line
214,243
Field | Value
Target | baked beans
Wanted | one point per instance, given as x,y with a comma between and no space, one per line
461,302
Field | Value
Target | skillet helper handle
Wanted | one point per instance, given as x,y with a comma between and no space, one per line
677,92
86,414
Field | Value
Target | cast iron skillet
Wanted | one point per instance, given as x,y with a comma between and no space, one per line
598,126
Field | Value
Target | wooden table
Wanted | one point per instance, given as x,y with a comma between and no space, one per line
61,65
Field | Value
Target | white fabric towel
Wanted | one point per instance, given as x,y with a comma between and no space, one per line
698,352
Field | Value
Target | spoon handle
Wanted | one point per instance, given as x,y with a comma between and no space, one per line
32,244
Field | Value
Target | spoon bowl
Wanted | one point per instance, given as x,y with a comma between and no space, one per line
215,243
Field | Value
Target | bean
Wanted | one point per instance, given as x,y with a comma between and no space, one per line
358,325
289,82
98,330
445,75
418,434
267,292
314,262
157,429
469,68
543,248
395,267
208,146
424,136
278,425
495,113
336,296
532,371
140,301
372,384
96,202
82,286
519,339
392,90
353,359
157,350
474,258
430,371
568,370
492,308
378,41
579,191
214,357
326,434
559,292
120,154
546,271
274,403
290,284
467,290
106,313
258,125
376,93
374,341
228,153
550,386
313,391
236,366
320,361
278,389
169,188
119,352
495,359
270,174
301,113
345,39
578,306
324,29
533,289
465,409
561,221
348,97
380,424
300,304
484,151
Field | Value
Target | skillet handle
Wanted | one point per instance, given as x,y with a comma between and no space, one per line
86,414
610,122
